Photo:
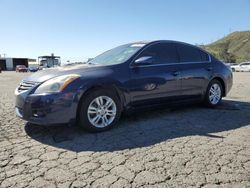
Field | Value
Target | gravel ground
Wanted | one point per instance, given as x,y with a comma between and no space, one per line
188,146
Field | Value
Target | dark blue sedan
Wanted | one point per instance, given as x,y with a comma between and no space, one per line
129,76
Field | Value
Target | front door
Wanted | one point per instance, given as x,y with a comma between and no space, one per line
158,81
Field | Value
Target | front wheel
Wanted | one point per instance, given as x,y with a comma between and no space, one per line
100,110
213,94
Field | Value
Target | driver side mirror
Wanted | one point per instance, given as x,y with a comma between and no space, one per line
145,60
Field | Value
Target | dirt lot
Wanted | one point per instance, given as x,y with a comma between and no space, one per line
184,147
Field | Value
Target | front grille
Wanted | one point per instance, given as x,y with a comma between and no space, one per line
25,86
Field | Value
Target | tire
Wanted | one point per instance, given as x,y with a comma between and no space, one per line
102,117
213,99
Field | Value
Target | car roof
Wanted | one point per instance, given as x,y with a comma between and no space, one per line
163,41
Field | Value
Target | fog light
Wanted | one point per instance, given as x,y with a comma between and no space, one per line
38,114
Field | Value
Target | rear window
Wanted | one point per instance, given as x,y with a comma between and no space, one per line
188,53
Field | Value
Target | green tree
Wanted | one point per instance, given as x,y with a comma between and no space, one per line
226,56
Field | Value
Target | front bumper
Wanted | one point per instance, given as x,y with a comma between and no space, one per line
47,109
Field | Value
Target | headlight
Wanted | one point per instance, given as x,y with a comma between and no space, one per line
56,84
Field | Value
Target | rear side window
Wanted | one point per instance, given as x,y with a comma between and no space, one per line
191,54
204,56
164,53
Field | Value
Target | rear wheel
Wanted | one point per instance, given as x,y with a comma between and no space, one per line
214,93
100,110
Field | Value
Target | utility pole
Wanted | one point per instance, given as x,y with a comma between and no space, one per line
230,30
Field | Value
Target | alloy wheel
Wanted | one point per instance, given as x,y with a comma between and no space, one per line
215,94
101,111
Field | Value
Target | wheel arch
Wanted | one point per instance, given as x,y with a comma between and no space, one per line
222,82
112,87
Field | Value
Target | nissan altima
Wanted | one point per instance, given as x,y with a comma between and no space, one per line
140,74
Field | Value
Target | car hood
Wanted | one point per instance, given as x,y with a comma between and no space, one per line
44,75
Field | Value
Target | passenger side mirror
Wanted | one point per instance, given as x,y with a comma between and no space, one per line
145,60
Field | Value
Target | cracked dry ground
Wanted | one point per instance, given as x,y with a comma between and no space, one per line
183,147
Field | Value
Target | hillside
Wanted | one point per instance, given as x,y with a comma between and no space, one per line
235,47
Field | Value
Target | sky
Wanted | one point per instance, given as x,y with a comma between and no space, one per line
78,29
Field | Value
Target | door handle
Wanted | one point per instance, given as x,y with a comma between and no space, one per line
209,68
176,73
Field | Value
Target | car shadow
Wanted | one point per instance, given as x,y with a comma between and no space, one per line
147,128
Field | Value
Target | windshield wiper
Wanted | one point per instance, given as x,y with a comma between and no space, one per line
91,63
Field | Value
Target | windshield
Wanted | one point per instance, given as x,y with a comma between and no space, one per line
117,55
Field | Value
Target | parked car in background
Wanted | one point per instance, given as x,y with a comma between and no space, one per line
33,69
130,76
242,67
21,68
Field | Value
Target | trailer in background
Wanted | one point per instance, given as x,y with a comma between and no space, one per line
49,61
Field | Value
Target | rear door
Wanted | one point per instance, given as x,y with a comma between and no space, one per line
159,81
196,70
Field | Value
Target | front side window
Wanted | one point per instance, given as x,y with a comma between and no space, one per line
164,53
117,55
189,53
